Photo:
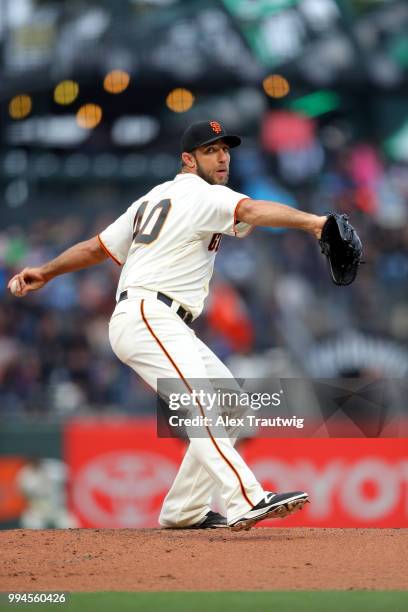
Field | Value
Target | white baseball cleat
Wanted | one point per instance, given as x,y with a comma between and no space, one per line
273,505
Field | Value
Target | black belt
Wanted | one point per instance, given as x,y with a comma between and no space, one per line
186,316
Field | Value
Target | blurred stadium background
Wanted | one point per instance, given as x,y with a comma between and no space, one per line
94,96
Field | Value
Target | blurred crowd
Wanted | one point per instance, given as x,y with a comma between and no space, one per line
271,297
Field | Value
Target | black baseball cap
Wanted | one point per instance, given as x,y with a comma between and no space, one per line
205,132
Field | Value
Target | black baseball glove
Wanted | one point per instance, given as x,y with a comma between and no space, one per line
342,246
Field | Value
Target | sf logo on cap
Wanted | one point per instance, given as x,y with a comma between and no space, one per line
215,126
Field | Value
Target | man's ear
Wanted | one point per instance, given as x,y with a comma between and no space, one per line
188,159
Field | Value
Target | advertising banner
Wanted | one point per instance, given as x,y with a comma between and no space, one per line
351,482
120,472
12,502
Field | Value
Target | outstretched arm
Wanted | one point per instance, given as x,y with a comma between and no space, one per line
81,255
272,214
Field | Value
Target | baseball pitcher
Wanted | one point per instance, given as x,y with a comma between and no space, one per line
166,243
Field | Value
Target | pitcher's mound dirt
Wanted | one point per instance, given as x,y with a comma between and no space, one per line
219,560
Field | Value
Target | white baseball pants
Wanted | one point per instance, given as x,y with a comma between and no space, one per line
151,338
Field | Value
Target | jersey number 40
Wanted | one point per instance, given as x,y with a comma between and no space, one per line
151,228
149,231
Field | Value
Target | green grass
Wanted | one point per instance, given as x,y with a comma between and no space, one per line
281,601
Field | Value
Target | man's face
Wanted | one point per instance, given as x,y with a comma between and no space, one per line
212,162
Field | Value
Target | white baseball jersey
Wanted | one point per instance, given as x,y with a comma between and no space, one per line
167,240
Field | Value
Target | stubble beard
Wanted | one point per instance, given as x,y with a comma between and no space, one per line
208,178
